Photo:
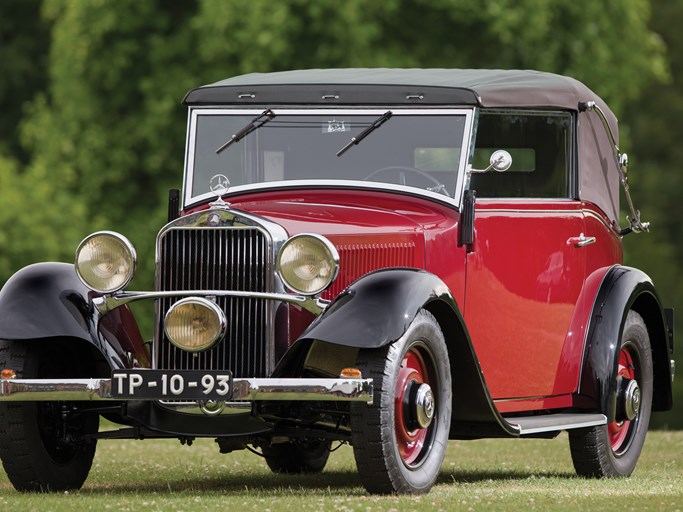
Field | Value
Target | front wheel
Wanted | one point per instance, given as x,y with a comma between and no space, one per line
612,450
43,445
399,441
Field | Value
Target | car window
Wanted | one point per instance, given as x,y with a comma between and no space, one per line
539,143
421,149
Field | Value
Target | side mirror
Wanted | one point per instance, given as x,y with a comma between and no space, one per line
500,161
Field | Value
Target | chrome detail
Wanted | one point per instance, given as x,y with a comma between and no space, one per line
244,390
500,161
127,244
555,422
330,97
220,258
219,183
673,368
229,255
107,303
424,405
621,159
219,317
212,407
631,399
329,247
581,240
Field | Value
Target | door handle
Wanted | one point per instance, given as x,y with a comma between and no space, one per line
581,240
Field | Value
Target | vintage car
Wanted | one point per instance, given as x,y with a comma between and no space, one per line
381,257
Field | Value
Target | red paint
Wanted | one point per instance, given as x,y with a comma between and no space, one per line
523,281
121,331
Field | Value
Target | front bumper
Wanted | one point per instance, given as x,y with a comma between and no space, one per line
244,390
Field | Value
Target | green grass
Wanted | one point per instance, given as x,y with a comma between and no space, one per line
477,475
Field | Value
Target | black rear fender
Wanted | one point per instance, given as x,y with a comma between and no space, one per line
623,289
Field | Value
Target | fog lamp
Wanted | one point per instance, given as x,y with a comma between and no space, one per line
195,324
105,261
308,263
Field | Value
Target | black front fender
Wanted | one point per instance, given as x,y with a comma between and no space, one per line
378,308
623,289
47,301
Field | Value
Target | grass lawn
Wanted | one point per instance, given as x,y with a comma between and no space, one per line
477,475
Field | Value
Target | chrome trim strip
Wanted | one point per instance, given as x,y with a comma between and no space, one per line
107,303
244,390
322,184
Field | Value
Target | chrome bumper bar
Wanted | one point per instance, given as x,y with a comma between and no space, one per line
340,390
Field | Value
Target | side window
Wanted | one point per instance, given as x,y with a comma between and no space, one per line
539,142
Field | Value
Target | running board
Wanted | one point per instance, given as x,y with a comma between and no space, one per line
555,422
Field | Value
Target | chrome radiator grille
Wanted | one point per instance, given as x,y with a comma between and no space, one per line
219,259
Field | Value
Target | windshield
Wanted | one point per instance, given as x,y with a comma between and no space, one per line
408,149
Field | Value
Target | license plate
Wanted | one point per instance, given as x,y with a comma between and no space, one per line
171,384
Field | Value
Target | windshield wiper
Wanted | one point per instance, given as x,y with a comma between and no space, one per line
375,124
255,123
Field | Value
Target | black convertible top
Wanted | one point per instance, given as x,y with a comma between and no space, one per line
480,87
486,88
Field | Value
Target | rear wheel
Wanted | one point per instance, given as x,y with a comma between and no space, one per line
399,441
297,456
42,444
613,450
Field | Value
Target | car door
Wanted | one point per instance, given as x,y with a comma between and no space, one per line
526,268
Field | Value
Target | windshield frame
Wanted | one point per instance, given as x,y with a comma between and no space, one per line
190,200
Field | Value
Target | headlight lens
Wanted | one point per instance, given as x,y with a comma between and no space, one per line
308,263
105,261
195,324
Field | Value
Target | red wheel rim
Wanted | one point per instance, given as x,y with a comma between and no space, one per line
410,441
618,431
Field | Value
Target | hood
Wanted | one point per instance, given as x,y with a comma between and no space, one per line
369,230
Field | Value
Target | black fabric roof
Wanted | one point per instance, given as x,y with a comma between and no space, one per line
483,87
598,177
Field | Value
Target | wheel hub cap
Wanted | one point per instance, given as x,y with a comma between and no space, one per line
631,399
423,406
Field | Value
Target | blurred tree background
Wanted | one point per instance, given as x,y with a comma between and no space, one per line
92,130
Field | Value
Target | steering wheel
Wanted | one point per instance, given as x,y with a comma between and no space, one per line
438,187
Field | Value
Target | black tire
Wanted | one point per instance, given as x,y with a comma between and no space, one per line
394,453
41,443
297,456
613,450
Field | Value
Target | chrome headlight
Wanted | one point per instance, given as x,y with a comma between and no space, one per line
105,261
308,263
195,324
